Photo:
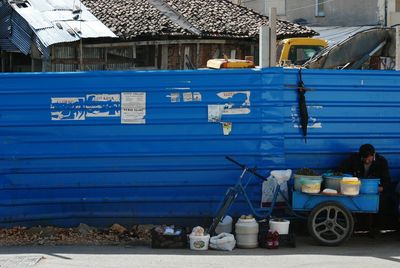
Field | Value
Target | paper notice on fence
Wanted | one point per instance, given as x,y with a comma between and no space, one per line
133,107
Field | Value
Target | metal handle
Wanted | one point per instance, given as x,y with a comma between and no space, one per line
251,170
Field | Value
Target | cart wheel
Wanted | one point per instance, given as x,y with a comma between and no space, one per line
330,223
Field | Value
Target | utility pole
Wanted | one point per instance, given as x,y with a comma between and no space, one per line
272,27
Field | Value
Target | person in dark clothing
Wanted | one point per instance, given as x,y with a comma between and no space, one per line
368,164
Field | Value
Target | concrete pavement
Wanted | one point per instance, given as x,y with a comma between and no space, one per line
359,251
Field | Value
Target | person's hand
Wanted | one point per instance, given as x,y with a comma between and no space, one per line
380,189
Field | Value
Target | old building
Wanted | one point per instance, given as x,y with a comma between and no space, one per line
163,34
328,12
30,29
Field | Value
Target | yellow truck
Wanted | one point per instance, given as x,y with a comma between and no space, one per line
297,51
290,52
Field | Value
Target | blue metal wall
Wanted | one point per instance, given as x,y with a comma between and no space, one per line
95,169
346,109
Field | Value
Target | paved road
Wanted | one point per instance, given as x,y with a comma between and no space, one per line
360,251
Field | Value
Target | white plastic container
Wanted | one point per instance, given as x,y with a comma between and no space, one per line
225,226
279,225
199,242
246,233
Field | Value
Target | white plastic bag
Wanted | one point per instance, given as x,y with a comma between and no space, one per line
223,241
268,188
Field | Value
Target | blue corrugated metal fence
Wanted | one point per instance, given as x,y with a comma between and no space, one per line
131,147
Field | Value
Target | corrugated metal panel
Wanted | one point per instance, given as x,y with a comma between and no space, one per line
35,18
172,166
346,109
5,9
99,171
42,48
337,34
64,67
44,15
21,34
4,27
55,35
7,45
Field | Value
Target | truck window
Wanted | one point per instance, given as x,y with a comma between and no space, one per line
279,51
299,55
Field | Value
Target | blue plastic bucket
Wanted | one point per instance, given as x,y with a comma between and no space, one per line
369,186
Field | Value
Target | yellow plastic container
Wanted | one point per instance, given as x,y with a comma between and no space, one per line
350,187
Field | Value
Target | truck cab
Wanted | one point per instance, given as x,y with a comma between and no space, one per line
297,51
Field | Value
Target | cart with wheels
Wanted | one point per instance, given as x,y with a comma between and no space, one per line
330,220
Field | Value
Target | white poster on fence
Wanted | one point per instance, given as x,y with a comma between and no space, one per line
133,107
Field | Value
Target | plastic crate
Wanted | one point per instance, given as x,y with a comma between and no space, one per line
168,241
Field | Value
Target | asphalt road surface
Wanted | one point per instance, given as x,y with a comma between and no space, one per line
359,251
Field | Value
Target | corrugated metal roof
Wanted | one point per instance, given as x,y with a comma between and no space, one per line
45,17
336,34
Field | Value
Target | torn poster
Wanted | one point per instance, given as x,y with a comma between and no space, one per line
133,106
187,96
226,128
230,94
67,108
215,113
103,105
196,96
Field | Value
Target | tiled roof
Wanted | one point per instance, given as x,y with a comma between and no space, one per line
133,19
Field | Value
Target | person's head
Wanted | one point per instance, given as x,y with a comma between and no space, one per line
367,153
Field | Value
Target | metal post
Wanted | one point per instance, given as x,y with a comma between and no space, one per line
264,46
397,48
272,26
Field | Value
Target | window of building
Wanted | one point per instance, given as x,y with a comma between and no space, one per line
397,8
320,8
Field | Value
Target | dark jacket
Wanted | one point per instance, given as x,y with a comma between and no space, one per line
378,169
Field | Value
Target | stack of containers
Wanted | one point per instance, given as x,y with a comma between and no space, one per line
246,233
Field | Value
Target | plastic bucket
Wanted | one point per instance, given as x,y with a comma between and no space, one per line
279,225
350,187
297,180
310,186
333,182
369,186
199,242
